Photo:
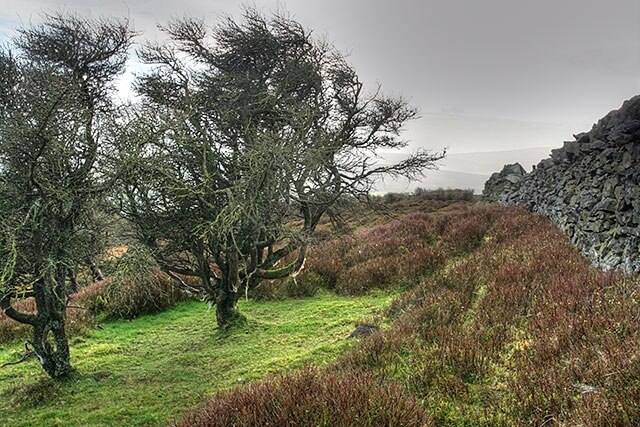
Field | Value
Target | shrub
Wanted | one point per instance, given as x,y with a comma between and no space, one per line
327,261
375,273
138,287
312,398
305,285
443,194
422,194
128,298
93,297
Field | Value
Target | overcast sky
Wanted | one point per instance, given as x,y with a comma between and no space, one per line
487,75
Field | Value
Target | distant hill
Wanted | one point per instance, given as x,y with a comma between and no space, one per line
437,179
463,170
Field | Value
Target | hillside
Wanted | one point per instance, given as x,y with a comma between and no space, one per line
231,221
495,320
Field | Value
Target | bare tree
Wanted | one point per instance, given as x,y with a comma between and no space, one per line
248,133
54,90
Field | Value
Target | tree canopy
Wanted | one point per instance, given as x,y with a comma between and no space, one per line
247,134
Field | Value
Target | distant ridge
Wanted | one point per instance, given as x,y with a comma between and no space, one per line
463,170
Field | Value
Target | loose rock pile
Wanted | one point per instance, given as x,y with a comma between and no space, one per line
590,188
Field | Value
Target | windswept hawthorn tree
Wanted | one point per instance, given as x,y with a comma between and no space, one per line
246,135
54,92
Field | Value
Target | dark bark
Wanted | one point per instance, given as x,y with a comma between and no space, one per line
96,273
51,346
226,310
73,281
12,313
227,297
50,342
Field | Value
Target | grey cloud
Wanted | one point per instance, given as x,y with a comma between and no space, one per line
546,61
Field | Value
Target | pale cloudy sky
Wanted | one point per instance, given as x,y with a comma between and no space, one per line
490,75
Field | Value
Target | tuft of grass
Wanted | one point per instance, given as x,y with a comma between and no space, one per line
153,369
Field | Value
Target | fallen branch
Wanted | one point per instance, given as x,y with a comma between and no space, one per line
183,284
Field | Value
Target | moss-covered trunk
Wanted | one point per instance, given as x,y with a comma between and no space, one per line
226,308
227,297
51,347
50,342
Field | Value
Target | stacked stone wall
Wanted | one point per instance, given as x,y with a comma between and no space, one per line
590,188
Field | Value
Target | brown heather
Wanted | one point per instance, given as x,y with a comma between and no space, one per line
312,397
519,331
394,254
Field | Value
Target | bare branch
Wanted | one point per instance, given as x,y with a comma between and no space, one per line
25,356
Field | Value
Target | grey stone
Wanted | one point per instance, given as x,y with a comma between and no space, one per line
364,329
590,188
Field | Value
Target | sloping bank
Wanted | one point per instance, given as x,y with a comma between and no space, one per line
512,328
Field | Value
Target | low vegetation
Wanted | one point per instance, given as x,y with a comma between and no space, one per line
156,368
519,331
312,398
396,253
499,321
423,194
512,328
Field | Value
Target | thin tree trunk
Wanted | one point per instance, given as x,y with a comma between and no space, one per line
96,273
73,281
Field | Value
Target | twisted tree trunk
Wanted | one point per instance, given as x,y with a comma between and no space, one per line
50,342
51,347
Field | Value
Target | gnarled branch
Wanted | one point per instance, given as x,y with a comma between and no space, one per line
12,313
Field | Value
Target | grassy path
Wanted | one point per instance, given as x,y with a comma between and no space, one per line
148,371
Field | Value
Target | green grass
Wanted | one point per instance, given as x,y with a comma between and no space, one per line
154,369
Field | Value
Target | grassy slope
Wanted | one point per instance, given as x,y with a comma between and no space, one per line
148,371
515,329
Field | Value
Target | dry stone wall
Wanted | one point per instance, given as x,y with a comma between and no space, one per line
590,188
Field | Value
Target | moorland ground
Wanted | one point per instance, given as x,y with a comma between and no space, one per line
489,317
